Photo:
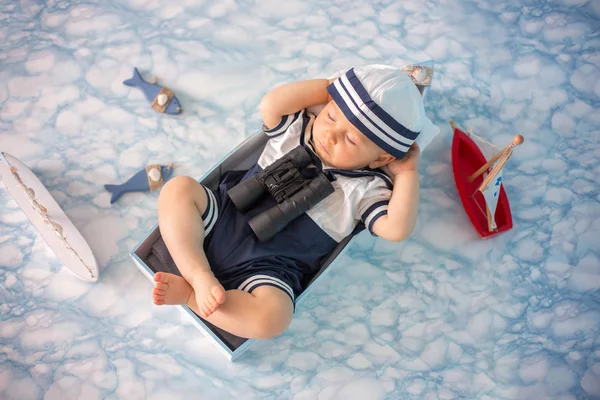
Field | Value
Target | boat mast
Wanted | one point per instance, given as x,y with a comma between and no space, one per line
517,140
504,156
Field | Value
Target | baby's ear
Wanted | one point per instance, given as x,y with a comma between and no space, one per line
383,159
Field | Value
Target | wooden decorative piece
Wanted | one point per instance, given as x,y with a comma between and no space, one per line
161,106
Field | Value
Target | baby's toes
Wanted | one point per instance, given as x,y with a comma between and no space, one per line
160,277
218,294
203,312
211,302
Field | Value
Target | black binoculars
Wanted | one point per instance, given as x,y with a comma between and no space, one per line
295,188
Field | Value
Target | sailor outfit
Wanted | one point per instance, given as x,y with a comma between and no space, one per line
289,259
240,261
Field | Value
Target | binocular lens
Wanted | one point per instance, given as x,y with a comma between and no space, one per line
267,224
245,194
299,157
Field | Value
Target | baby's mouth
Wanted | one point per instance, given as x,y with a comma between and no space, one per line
323,147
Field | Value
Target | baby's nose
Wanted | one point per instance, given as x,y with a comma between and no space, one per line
333,135
331,138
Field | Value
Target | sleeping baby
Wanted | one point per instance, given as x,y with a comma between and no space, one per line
365,138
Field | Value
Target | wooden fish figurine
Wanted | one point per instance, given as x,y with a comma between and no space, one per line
148,179
162,99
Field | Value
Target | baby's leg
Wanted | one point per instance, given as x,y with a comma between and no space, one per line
262,314
181,204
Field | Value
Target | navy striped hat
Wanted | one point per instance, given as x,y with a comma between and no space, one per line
384,104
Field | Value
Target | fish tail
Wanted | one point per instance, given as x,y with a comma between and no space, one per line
135,80
116,191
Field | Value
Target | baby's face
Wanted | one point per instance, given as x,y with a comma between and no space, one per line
340,144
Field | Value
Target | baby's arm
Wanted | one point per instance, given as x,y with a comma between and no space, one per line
291,98
402,210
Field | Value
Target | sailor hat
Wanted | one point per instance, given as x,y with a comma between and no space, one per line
385,105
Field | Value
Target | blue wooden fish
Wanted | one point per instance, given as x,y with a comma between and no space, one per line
161,98
150,178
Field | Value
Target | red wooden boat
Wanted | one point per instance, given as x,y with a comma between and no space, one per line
474,176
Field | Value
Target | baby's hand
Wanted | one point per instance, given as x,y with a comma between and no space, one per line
409,162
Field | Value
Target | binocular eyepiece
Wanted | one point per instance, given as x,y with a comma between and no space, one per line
284,180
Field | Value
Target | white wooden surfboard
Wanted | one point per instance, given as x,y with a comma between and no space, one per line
49,219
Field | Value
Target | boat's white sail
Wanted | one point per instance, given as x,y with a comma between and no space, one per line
491,194
492,181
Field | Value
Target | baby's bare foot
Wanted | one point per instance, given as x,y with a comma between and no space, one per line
204,298
208,292
170,289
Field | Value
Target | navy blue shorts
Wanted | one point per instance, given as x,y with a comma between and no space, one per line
237,258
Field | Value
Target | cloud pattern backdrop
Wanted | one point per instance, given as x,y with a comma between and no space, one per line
442,315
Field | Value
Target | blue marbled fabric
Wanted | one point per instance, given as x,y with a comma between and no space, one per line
443,315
